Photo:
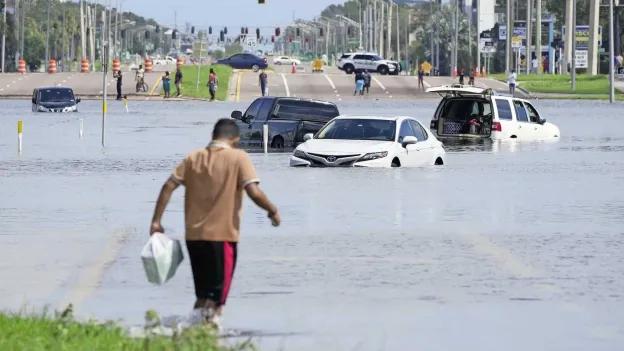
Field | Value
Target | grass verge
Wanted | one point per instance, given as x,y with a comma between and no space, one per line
189,81
62,332
560,83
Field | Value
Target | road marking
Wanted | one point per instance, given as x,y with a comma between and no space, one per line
151,92
238,85
100,92
427,85
378,82
330,82
286,85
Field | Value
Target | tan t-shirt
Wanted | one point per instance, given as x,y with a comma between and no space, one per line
214,178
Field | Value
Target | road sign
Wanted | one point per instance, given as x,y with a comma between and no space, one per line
582,36
426,66
516,42
518,32
581,59
486,45
250,42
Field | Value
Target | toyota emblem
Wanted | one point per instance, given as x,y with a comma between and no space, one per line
331,158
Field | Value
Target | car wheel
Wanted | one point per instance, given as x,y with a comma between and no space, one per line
383,70
395,163
349,69
278,63
439,161
277,143
255,67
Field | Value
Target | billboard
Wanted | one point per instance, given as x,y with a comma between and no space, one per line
582,36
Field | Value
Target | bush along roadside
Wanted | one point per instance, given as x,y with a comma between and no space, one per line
62,332
189,81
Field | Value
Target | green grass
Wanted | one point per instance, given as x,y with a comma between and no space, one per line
560,83
62,332
189,81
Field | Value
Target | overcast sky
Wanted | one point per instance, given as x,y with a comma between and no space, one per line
230,13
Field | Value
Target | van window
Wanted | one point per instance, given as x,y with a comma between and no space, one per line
504,109
533,115
419,133
56,95
521,113
406,130
265,109
254,108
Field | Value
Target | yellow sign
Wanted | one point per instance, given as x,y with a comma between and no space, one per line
516,42
317,64
426,66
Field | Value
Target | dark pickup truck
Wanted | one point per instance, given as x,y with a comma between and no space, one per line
288,119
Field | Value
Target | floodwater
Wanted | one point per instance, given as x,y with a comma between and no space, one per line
510,246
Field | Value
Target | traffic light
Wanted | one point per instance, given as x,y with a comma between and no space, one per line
290,39
225,30
258,33
210,30
298,32
242,30
277,32
261,2
246,30
307,38
123,33
321,32
193,30
174,34
273,39
147,34
222,36
157,30
349,30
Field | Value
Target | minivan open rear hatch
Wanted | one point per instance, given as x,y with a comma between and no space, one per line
464,112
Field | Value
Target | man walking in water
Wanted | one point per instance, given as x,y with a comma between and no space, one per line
178,82
214,178
421,79
263,83
512,82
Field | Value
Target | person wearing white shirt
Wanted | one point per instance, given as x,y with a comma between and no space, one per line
139,78
512,82
535,65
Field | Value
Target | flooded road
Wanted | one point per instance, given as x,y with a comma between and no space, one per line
512,246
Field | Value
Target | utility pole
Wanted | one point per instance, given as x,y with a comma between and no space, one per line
592,45
479,37
398,39
389,30
569,35
456,12
381,29
529,35
16,15
611,54
573,31
83,40
510,32
4,37
63,46
23,26
538,35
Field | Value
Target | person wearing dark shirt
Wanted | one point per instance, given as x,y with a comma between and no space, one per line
471,77
359,83
178,82
367,81
166,81
118,76
263,83
461,76
421,79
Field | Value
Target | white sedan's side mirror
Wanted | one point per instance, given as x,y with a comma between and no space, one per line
308,136
409,140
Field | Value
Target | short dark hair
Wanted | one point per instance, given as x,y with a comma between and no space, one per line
225,129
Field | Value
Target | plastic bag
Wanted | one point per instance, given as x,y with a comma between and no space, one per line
161,257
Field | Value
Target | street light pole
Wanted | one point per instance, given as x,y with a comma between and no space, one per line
611,54
573,30
47,53
3,36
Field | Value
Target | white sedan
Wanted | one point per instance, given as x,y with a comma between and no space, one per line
285,60
368,141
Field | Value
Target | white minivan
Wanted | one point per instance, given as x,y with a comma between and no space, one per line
471,112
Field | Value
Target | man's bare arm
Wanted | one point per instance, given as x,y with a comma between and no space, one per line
260,199
161,204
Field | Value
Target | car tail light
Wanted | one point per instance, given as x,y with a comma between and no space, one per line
496,127
265,60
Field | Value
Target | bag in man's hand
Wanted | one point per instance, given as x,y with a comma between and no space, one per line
161,257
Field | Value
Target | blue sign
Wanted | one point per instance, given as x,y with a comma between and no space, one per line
582,36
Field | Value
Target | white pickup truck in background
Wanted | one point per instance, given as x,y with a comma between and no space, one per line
166,61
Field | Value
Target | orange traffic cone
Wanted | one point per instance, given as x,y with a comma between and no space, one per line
483,72
294,68
455,71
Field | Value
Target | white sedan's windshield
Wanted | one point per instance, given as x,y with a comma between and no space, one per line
358,129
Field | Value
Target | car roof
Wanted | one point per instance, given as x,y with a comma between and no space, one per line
381,118
53,88
305,99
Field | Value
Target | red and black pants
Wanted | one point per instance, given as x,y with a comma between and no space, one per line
213,264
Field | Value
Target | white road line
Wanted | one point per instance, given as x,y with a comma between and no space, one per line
378,82
424,82
286,85
100,92
330,82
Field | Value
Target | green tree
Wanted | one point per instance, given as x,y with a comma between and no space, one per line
233,48
34,48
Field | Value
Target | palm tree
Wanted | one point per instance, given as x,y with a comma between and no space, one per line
442,20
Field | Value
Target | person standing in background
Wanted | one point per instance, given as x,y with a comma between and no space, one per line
367,81
512,82
359,83
118,76
166,82
215,177
178,82
213,82
263,82
421,79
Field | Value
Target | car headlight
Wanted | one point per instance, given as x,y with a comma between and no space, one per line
373,156
300,154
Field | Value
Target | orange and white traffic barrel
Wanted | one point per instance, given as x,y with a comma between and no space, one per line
21,66
84,66
148,65
179,62
115,65
52,66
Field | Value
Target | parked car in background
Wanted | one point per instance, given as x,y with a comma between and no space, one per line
166,61
244,61
54,99
285,60
353,62
468,112
269,53
370,141
288,120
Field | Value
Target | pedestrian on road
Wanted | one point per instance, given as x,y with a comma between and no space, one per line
118,76
461,76
178,82
214,178
534,65
421,79
213,82
472,77
367,81
359,83
264,87
139,78
166,81
512,82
